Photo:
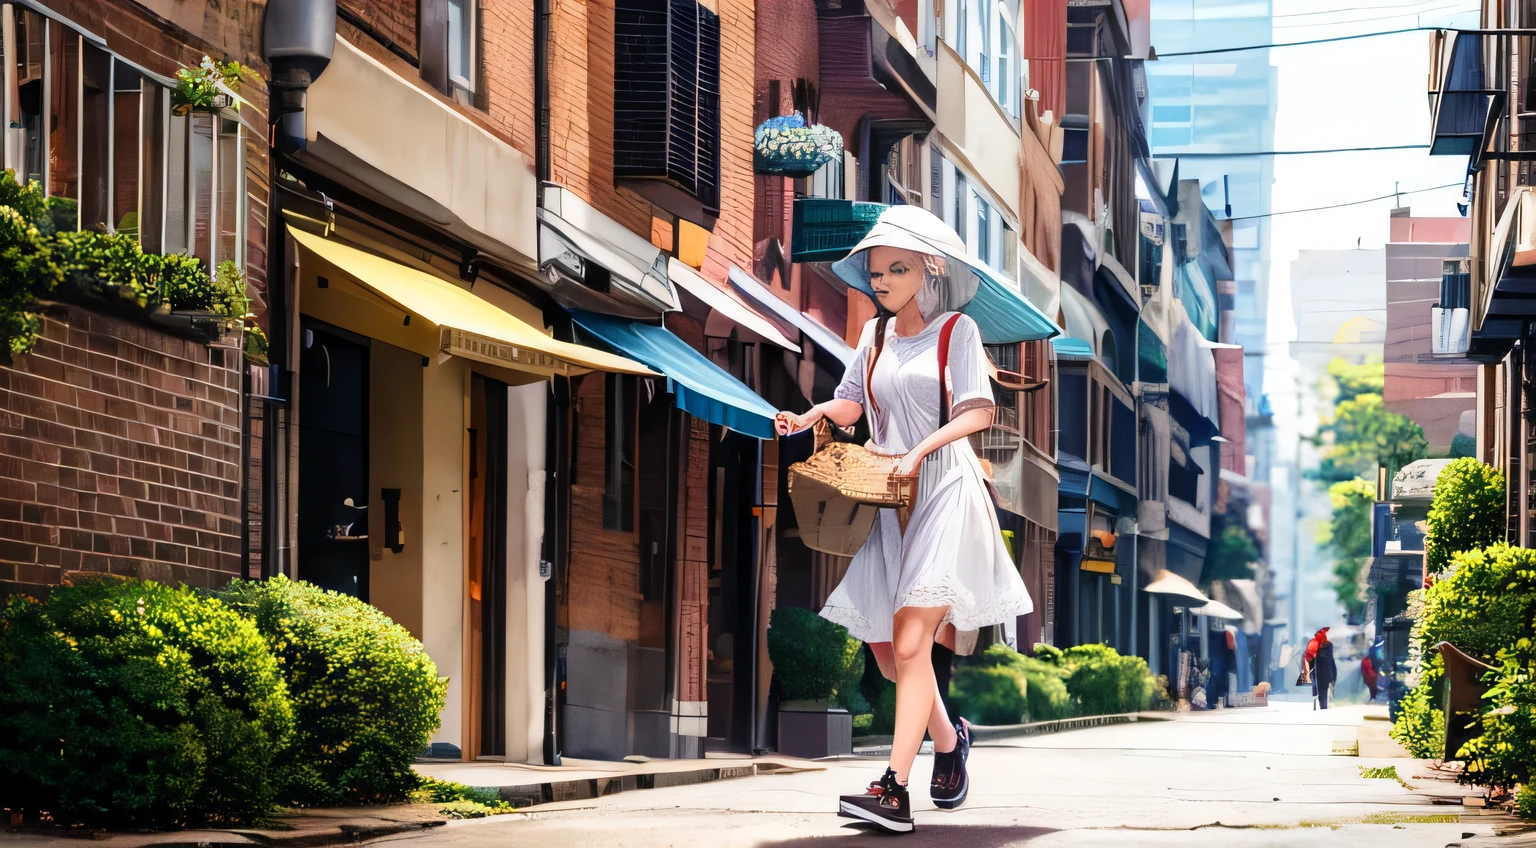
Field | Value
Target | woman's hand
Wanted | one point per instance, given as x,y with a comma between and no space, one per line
789,423
908,465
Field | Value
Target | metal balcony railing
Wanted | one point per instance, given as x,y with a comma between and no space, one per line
826,230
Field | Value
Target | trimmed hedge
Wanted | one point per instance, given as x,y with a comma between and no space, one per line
1002,686
133,704
366,695
812,657
1467,512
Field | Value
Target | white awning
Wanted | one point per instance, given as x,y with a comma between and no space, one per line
379,134
724,303
573,233
820,335
1177,589
1217,609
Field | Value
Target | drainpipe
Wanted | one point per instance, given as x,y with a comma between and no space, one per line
558,468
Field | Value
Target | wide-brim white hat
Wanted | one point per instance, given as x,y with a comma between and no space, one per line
996,305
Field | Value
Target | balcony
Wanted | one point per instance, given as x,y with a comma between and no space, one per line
1448,325
870,69
826,230
1464,101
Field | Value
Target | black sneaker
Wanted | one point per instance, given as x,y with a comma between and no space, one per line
951,783
885,805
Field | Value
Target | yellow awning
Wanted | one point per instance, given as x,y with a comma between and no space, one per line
466,325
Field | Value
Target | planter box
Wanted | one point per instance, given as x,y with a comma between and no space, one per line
1247,699
814,733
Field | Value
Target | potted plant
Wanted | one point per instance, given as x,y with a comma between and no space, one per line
788,146
812,658
209,87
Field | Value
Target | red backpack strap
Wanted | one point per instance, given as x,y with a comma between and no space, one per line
944,334
874,359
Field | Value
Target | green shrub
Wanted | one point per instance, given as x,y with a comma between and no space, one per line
882,720
366,695
811,656
989,695
188,287
1487,603
1050,654
1504,754
128,703
1042,682
457,801
850,696
1420,724
862,723
1525,803
1105,682
1467,512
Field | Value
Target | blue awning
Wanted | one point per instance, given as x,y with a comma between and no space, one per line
1068,346
819,335
701,387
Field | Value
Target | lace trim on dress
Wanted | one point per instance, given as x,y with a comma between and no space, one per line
858,626
965,611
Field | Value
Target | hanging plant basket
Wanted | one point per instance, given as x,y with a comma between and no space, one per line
789,147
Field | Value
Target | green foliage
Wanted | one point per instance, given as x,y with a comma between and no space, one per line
1420,724
28,270
457,801
1504,754
989,695
883,709
255,343
1486,604
1467,512
1352,381
1525,803
129,703
850,695
1054,684
1233,554
366,695
1367,435
811,656
197,87
1463,445
1348,536
1103,682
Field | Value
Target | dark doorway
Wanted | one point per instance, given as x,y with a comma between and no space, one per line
333,460
732,589
488,563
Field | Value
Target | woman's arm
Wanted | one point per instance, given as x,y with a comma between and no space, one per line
963,425
842,412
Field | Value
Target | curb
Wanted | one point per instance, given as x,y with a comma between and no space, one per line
527,795
981,733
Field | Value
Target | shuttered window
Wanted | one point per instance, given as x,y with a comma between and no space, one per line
667,104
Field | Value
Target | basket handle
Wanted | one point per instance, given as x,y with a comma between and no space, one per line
823,433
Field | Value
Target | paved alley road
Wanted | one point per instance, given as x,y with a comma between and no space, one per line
1244,777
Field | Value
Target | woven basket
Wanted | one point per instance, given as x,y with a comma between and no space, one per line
838,492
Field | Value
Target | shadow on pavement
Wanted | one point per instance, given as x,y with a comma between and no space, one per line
925,836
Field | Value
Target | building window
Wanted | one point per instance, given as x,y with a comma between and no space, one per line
24,142
462,27
1003,86
983,245
666,126
619,421
961,196
828,181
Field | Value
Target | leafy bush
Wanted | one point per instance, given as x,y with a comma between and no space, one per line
1525,803
1486,604
1348,536
457,801
191,289
1504,754
1050,654
366,695
811,656
850,695
1420,724
1104,682
1042,682
882,720
989,695
1466,514
130,703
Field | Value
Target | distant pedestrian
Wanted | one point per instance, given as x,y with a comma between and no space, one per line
1324,670
1368,673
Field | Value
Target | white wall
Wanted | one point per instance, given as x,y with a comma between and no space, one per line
525,588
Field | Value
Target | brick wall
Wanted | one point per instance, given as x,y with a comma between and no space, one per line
119,453
604,586
581,123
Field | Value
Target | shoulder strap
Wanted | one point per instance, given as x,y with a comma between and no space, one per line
869,366
944,334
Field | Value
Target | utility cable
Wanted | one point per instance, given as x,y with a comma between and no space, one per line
1214,50
1207,155
1341,205
1461,9
1353,9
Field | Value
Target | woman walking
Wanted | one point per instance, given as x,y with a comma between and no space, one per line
947,573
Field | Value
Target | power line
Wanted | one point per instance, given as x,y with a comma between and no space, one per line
1299,43
1207,155
1341,205
1460,9
1352,9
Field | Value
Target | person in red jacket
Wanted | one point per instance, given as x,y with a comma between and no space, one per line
1368,671
1319,658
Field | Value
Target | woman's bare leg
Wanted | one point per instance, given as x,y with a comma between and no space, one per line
916,688
940,729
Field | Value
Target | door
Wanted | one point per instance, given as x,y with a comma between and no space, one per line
333,460
487,559
732,590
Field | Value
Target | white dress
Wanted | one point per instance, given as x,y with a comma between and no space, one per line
952,553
